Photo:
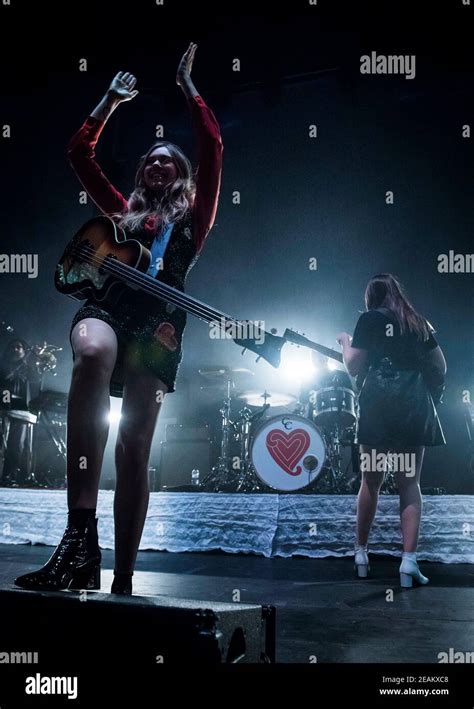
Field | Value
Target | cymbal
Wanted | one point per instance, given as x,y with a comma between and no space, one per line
274,398
223,373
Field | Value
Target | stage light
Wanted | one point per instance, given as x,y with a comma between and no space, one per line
115,410
332,364
297,366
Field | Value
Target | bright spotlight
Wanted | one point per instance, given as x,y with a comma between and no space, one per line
332,364
115,410
297,365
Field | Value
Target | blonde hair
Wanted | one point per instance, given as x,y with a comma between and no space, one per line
172,205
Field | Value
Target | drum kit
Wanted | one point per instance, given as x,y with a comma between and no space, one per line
268,441
280,442
48,408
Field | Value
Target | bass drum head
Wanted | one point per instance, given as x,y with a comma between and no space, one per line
288,452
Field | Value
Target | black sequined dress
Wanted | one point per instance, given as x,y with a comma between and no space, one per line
135,316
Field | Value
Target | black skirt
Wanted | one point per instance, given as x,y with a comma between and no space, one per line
134,319
396,411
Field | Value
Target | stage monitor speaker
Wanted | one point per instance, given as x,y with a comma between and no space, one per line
70,628
179,458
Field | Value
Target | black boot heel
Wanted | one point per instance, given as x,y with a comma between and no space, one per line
122,584
76,560
88,579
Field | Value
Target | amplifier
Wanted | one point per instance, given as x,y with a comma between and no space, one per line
177,432
179,458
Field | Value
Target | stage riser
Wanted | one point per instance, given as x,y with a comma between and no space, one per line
136,631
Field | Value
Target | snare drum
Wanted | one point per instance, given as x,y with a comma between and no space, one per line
288,452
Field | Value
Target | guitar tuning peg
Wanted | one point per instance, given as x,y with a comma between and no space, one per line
243,351
258,358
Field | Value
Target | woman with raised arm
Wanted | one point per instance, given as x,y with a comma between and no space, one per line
403,367
125,349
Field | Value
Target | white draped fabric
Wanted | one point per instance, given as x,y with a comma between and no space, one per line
271,525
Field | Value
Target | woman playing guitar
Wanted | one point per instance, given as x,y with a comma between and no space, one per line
130,348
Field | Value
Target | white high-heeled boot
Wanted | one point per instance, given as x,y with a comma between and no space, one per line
410,572
361,561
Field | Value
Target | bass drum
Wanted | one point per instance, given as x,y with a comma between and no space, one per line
288,452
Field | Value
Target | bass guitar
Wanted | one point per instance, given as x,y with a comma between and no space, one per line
100,261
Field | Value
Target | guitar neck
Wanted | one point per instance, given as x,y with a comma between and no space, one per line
305,342
150,285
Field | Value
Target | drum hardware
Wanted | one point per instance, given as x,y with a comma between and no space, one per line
219,479
45,360
247,480
332,407
336,476
254,398
222,478
30,420
39,360
220,374
51,409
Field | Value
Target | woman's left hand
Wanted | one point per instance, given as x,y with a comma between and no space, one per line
344,339
185,66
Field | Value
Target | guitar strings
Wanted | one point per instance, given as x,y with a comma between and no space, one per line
201,310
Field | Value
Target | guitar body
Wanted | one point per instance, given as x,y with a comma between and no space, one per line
78,273
100,262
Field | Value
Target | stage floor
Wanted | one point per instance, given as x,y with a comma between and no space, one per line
322,610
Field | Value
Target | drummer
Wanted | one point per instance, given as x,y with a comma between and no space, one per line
17,375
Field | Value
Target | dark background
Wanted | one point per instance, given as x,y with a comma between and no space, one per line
300,197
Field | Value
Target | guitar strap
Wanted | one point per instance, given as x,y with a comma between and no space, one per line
360,378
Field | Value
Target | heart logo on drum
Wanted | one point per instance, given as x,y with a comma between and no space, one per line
287,449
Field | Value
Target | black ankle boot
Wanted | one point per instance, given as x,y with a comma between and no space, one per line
76,561
122,584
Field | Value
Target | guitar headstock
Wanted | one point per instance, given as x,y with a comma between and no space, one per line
298,339
295,337
264,344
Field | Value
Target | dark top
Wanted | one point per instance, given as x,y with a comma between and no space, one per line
17,378
405,351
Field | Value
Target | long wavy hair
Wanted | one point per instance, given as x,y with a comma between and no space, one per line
385,291
172,205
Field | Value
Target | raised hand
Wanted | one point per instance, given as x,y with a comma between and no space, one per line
122,87
183,75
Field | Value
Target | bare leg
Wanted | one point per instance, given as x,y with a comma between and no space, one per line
139,415
410,500
95,349
367,499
